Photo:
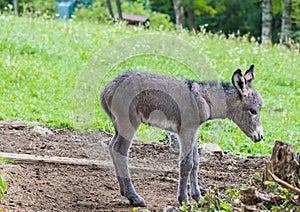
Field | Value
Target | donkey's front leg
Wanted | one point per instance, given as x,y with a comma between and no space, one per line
195,192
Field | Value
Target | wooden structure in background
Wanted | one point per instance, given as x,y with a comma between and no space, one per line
133,20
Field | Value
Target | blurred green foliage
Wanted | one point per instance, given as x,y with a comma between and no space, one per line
217,16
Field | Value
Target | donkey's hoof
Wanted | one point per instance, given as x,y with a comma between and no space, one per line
137,201
182,199
197,196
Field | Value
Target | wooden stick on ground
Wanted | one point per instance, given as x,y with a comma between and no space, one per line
283,183
26,158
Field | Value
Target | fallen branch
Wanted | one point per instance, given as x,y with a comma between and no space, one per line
26,158
283,183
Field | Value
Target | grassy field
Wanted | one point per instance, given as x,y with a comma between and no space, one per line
43,61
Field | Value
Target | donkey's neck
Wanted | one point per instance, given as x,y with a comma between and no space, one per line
220,97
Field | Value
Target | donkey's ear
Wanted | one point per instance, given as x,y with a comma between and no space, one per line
239,82
249,75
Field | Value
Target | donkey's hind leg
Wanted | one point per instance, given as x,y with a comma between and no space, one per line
119,148
111,145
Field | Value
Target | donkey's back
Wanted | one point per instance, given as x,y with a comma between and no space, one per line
148,98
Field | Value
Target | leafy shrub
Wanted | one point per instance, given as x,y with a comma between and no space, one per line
160,20
296,36
29,7
40,6
97,12
4,3
136,8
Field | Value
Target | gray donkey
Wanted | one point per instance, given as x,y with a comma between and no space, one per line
180,106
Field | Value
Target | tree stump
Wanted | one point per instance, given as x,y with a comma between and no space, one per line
283,166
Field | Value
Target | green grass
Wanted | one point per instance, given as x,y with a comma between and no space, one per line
42,62
3,186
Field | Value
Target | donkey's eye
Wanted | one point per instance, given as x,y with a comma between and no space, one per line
252,112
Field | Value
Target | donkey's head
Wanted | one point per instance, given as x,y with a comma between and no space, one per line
246,111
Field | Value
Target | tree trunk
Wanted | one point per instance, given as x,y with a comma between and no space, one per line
16,7
266,28
192,19
284,164
119,9
110,9
286,23
179,13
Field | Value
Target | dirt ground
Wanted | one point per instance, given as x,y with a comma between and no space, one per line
42,186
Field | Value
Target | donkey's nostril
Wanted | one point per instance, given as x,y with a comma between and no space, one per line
257,138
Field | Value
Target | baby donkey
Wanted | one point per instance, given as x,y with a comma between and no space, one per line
180,106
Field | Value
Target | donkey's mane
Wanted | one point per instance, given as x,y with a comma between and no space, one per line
212,83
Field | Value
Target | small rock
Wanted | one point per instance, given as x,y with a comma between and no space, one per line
51,146
170,209
237,206
212,148
237,203
42,130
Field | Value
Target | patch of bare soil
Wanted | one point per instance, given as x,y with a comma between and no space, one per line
43,186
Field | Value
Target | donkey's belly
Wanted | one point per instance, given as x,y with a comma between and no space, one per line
159,119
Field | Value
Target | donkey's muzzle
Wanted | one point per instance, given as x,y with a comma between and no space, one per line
258,134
